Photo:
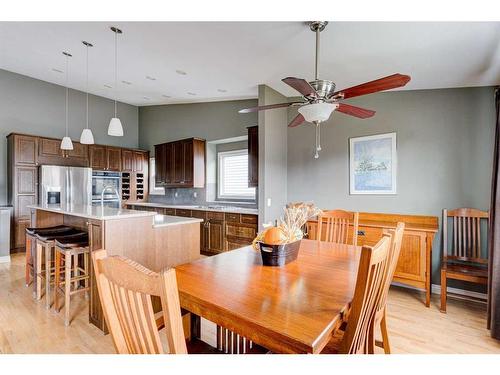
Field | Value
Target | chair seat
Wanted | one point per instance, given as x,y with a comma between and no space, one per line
71,241
465,269
51,236
195,346
55,229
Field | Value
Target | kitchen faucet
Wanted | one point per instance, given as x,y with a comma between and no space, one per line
102,196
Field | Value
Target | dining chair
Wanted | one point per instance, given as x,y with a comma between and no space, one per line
125,290
358,337
336,225
381,312
465,259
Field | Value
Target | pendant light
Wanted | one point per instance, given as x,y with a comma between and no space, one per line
87,138
66,143
115,127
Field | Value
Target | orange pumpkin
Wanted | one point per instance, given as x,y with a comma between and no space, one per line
274,236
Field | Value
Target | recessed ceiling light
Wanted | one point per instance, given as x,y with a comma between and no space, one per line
166,96
221,90
127,82
108,86
181,72
57,70
151,78
191,93
146,98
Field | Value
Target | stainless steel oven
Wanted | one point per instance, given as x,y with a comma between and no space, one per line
102,180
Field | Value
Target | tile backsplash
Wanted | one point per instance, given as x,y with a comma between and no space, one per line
186,196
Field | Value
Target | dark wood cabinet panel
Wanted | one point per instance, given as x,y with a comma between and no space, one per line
98,157
114,159
182,212
49,148
181,163
128,162
20,226
26,149
80,151
27,180
178,175
23,201
160,163
215,240
140,161
253,156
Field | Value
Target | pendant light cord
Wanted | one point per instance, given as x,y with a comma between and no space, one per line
67,93
116,68
87,87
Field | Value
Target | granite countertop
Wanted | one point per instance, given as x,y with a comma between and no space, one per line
93,212
167,220
239,210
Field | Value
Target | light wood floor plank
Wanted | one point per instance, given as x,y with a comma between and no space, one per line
27,327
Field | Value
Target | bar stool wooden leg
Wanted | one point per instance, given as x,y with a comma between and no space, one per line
38,286
67,287
48,278
87,272
28,261
57,278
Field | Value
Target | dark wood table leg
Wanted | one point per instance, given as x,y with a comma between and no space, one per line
195,326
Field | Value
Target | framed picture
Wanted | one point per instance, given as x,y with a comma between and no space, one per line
373,164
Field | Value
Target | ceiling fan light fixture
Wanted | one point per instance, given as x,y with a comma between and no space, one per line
317,112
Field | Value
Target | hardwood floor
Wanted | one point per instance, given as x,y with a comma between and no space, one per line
27,327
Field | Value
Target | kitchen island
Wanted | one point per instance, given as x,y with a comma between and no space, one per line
155,241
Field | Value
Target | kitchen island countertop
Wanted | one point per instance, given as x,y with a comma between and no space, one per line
93,212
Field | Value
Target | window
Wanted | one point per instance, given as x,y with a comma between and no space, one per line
153,189
233,175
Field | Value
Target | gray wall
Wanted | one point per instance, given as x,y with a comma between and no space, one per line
210,121
444,150
31,106
272,156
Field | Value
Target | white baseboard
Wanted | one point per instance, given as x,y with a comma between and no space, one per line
461,293
5,259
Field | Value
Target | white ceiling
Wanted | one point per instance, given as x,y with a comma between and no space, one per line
238,56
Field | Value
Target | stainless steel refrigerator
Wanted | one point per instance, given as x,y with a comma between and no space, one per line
65,185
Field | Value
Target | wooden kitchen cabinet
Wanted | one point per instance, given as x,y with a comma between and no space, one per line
25,149
128,162
181,163
133,160
414,264
49,152
215,236
105,158
253,156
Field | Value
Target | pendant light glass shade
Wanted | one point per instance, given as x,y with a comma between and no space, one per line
66,143
87,138
115,127
317,112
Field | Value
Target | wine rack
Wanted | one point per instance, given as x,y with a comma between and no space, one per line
125,186
139,186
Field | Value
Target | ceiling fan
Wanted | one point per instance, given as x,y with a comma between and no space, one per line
319,98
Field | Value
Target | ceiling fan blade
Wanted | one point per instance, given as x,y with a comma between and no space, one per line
301,85
386,83
264,107
299,119
355,111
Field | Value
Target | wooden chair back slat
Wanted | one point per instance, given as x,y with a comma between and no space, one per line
125,290
466,243
336,225
358,337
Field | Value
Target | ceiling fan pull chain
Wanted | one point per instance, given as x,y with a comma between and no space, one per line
319,136
316,154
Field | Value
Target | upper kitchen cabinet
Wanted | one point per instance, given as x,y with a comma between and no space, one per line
25,148
181,163
253,156
49,152
105,158
134,160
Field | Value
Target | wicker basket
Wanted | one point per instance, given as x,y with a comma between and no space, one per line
279,255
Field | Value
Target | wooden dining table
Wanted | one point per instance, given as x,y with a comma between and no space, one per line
288,309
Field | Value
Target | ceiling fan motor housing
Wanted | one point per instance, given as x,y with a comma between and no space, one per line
323,87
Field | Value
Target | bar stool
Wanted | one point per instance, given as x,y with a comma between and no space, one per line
44,248
68,249
31,248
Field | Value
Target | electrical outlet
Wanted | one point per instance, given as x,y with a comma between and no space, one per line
195,194
268,202
176,194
